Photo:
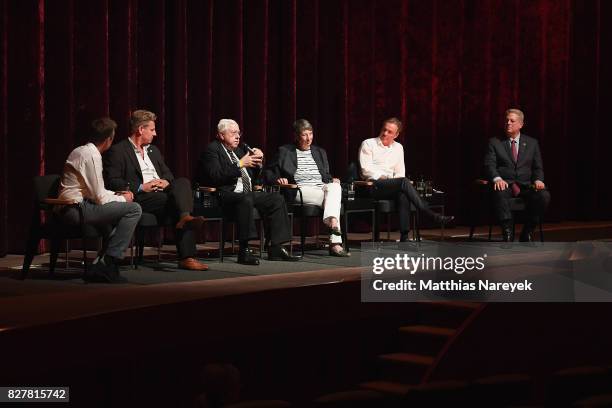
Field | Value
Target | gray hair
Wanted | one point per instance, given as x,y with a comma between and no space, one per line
224,124
518,113
301,125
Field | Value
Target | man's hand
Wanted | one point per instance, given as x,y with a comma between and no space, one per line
335,180
129,197
500,185
249,160
539,185
258,153
162,184
155,185
282,181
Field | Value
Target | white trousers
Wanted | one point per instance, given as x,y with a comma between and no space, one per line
327,197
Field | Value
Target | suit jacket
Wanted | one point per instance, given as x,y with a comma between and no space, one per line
215,169
284,165
121,166
499,162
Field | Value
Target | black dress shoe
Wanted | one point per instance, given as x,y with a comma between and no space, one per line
507,235
443,219
103,273
278,253
246,257
526,236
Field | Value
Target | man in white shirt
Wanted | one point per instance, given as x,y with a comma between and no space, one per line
82,182
382,161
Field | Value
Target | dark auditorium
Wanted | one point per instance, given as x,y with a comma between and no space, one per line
305,203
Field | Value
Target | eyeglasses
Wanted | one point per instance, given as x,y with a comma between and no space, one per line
235,132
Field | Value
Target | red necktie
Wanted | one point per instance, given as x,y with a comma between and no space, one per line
516,190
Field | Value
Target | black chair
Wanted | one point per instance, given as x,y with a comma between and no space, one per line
301,210
208,206
148,222
50,226
483,203
382,207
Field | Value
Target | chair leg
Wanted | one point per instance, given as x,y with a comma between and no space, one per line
417,223
140,236
490,230
160,240
388,226
221,240
374,225
302,232
261,238
291,235
377,227
345,232
67,252
55,248
84,242
541,230
31,246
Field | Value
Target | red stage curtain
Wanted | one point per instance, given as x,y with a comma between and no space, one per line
448,69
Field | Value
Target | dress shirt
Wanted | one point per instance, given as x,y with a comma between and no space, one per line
82,177
378,160
307,172
146,165
239,187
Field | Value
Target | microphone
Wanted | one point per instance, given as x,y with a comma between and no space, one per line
248,148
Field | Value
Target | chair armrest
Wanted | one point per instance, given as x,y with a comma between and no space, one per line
363,183
207,189
288,186
481,182
57,201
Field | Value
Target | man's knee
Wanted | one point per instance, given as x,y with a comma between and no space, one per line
134,209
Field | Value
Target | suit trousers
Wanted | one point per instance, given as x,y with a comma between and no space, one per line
173,202
122,217
401,190
271,207
536,201
327,197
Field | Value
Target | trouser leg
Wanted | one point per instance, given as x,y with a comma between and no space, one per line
122,216
272,207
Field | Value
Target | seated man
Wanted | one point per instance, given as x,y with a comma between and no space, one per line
227,165
135,164
306,165
514,165
382,160
82,181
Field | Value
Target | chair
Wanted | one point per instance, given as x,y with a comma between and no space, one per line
213,211
148,221
482,196
381,206
49,226
304,211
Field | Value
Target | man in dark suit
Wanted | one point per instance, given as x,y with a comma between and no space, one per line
514,165
229,166
135,164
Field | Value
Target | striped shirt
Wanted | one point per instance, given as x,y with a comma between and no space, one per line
307,172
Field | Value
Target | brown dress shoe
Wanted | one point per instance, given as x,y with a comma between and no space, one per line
190,222
192,264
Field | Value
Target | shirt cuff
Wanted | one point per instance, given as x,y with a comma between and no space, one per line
496,179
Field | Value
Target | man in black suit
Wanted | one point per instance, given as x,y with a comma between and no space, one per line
514,165
229,166
135,164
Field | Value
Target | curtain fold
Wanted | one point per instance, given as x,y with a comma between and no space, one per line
447,69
